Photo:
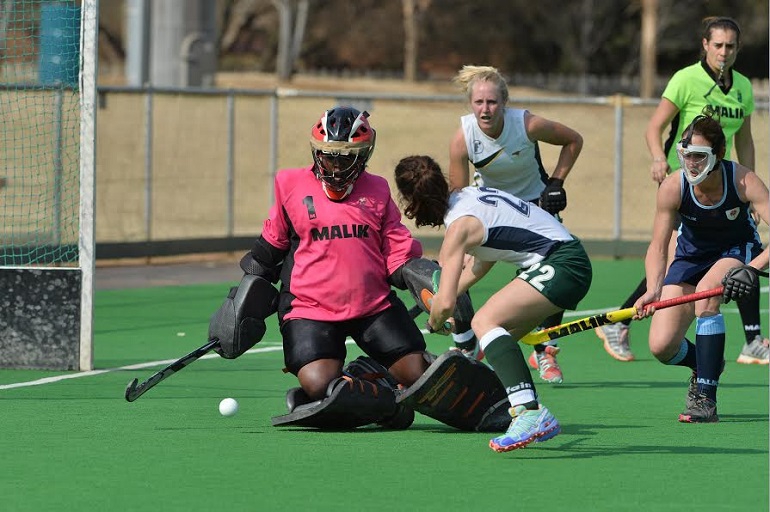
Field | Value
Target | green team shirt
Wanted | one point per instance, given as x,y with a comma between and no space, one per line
687,89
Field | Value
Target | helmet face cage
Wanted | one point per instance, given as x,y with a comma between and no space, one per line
338,170
342,142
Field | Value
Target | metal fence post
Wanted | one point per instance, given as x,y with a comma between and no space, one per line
230,163
148,134
618,192
273,142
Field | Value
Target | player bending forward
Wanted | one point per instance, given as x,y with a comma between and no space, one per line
491,225
717,242
335,240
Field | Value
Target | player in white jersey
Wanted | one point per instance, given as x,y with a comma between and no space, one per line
502,145
554,274
508,162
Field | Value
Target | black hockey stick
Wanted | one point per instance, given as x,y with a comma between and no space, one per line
415,311
135,390
425,296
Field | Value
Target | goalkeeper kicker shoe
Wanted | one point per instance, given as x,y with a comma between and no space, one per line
527,426
545,363
615,338
756,352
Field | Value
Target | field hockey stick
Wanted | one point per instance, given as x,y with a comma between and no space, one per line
611,317
426,296
135,390
415,312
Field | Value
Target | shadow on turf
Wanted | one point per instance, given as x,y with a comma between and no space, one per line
576,451
648,385
437,428
572,435
742,418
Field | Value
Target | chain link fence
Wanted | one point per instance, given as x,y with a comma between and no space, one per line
191,170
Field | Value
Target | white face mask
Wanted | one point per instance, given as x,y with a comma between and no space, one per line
696,161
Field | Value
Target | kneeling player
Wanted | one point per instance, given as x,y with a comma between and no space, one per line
335,240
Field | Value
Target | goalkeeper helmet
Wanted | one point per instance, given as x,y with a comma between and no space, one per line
342,142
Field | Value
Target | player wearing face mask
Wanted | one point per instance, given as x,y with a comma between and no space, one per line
717,242
712,85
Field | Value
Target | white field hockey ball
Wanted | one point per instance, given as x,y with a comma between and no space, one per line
228,407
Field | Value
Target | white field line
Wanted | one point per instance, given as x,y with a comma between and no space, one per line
139,366
276,346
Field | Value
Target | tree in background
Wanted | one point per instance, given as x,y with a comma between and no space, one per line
422,39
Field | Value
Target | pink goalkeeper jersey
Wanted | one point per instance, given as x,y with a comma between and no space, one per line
340,253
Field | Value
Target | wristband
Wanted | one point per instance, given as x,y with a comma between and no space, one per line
557,181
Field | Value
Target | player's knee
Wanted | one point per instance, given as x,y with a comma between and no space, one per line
314,388
660,356
314,378
661,348
708,308
482,324
409,368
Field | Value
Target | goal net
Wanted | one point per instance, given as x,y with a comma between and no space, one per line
47,100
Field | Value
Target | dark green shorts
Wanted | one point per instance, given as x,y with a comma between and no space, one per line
563,277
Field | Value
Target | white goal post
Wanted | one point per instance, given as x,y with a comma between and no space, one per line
89,36
48,72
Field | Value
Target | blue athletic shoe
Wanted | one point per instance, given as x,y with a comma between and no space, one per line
526,427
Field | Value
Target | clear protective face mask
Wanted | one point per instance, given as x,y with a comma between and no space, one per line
696,161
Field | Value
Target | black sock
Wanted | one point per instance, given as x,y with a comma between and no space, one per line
468,346
505,356
749,309
640,289
710,346
551,321
685,356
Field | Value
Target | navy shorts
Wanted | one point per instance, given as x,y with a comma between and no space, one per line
386,337
690,269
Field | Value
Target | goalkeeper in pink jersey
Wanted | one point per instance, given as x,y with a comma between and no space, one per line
335,240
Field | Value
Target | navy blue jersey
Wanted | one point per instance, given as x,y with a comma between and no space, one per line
708,230
710,233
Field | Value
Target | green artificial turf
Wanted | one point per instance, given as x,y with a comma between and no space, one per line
78,445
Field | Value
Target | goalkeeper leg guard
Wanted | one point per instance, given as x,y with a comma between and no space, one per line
351,402
461,393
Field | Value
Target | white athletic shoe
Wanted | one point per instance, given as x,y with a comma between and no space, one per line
756,352
615,338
